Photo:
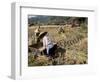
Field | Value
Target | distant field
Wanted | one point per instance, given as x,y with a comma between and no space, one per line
73,40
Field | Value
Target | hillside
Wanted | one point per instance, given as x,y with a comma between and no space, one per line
54,20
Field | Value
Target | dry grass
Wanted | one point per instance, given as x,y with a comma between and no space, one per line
73,40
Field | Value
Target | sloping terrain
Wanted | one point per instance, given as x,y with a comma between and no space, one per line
72,46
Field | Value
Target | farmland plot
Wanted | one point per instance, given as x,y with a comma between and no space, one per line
72,46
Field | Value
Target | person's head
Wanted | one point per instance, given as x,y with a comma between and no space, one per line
36,30
45,33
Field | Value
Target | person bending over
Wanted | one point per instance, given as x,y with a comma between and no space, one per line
48,44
